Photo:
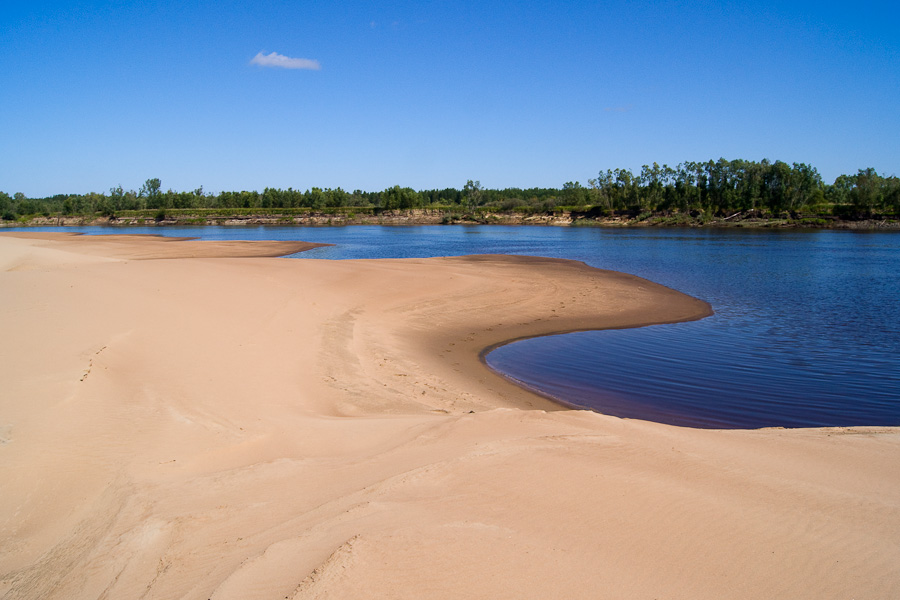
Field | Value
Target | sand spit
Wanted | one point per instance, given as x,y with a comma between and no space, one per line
225,427
147,247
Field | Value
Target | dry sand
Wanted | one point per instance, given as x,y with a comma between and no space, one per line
243,428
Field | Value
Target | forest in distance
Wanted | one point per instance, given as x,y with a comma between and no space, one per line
690,191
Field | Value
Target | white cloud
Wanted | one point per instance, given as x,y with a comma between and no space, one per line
285,62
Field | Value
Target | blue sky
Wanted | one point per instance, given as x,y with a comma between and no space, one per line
429,94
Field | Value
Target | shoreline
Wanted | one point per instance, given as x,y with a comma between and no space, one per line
176,424
364,216
482,354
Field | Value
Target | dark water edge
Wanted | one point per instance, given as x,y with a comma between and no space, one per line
660,373
806,331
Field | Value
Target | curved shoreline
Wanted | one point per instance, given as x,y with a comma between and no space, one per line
551,296
247,427
482,354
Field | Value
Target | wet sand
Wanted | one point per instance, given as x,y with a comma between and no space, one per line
186,419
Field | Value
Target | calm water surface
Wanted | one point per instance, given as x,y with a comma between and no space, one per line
806,330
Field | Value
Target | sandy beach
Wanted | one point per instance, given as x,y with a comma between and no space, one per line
188,419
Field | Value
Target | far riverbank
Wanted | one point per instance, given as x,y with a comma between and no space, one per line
437,216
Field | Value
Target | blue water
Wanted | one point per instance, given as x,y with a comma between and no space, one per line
806,330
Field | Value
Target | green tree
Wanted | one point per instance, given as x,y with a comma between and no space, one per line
337,197
6,207
151,191
605,183
315,198
892,194
473,193
573,194
869,192
117,198
400,198
626,189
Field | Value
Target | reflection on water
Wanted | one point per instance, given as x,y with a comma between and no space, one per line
806,330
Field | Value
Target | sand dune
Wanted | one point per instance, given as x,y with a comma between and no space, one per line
214,425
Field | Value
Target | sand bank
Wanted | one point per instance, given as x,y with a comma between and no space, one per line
225,427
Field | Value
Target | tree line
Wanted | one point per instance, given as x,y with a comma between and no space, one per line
712,188
723,186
